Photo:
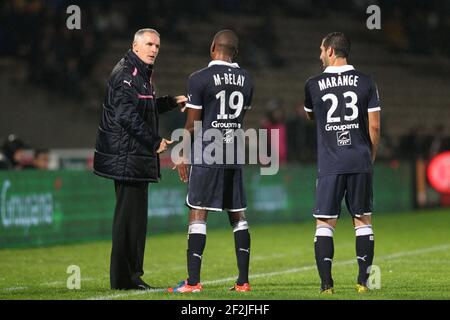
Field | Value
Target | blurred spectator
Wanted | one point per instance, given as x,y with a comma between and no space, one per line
4,164
417,144
274,120
439,141
301,137
40,160
386,147
407,144
256,52
56,57
13,150
263,34
395,30
416,26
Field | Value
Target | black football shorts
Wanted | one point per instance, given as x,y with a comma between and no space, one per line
355,187
216,189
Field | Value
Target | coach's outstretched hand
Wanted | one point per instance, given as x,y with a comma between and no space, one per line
181,101
163,145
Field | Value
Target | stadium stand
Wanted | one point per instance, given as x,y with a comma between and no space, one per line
412,86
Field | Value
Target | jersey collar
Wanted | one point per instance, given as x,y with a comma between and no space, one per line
334,69
223,63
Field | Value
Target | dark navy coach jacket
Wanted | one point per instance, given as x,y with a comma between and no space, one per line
127,137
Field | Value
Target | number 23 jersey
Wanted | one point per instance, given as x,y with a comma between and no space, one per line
341,98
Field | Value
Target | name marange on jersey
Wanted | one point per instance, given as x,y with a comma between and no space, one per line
341,98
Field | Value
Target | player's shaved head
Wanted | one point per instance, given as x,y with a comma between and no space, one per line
225,42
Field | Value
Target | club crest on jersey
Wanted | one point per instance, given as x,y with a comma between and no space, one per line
343,138
228,135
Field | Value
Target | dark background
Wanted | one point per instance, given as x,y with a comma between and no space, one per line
52,79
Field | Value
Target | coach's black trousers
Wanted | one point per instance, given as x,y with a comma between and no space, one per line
128,234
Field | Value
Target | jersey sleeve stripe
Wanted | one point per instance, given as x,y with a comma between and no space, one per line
193,106
307,109
373,109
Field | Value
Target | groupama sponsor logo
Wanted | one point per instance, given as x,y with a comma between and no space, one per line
25,210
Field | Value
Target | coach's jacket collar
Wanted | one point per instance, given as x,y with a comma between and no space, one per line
223,63
142,67
339,69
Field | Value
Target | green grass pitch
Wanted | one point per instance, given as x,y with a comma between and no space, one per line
412,250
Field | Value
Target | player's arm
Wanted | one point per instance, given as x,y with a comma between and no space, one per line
194,113
373,109
192,116
310,115
308,103
374,131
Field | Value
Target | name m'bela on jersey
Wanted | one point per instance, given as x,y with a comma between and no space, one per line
223,91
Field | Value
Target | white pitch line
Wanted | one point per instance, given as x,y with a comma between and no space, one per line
15,288
57,283
271,256
51,284
293,270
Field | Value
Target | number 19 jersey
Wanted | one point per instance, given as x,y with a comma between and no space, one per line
223,91
341,98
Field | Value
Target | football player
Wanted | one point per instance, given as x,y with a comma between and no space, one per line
218,96
345,105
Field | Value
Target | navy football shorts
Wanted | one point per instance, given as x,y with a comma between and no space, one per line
355,187
216,189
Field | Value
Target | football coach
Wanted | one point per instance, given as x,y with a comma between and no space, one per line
127,150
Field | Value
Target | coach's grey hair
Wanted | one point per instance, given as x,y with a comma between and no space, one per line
140,32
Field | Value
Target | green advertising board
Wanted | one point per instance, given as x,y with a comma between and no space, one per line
56,207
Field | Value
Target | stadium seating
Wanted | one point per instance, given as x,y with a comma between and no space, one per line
412,90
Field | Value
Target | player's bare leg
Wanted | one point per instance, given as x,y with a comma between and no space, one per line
364,250
242,246
324,252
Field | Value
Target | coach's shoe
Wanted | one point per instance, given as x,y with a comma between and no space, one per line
139,284
361,288
327,290
243,288
183,287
